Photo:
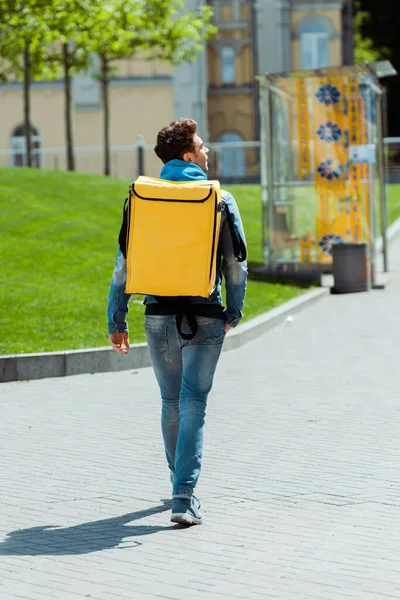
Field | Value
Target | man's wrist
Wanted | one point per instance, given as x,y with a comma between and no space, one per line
231,321
117,328
233,324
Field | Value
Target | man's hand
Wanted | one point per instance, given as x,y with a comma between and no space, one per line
227,327
120,342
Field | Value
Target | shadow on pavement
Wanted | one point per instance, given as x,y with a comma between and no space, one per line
84,538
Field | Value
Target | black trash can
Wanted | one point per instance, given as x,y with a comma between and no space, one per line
351,269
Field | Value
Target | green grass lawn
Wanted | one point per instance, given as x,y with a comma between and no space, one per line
58,242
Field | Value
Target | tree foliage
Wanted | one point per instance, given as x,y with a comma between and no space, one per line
159,28
364,49
71,24
23,23
44,38
25,38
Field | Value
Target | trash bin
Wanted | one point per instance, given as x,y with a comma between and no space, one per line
351,272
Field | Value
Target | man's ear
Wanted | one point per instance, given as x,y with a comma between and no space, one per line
187,157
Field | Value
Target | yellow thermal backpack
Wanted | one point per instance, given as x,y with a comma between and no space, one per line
171,237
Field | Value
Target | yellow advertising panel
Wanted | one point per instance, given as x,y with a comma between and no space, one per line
336,124
303,128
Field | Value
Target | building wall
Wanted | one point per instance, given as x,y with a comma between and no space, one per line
137,108
335,43
243,68
273,36
139,66
190,92
189,81
230,105
278,48
146,95
231,114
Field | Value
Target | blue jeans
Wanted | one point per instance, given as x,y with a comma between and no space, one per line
185,372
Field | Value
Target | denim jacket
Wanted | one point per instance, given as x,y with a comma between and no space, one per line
234,273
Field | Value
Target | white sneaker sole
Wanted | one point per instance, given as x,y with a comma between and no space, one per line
185,519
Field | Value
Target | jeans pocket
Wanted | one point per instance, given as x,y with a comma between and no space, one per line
157,338
210,332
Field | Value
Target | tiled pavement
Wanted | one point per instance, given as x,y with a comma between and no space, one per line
300,485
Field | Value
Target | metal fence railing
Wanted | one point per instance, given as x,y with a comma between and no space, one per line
230,162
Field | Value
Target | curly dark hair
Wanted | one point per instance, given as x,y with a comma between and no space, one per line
175,139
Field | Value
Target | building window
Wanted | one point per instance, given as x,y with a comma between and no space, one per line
314,34
226,12
314,51
228,74
232,158
86,87
18,147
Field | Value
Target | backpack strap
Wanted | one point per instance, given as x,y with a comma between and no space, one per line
239,247
124,231
175,306
180,307
192,321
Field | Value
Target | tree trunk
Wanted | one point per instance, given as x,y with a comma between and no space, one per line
27,104
104,90
68,108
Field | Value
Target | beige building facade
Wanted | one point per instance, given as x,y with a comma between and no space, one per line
218,90
267,36
141,102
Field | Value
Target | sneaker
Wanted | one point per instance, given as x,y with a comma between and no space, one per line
185,510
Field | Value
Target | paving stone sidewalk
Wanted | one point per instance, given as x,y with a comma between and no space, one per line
300,486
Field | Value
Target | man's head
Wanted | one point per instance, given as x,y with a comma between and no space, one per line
180,140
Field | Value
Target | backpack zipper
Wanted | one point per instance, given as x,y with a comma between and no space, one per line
217,210
173,199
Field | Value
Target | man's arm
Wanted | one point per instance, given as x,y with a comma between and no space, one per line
117,309
235,272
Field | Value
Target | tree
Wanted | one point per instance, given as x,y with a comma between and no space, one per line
123,27
71,25
172,34
111,38
24,40
37,36
378,28
364,50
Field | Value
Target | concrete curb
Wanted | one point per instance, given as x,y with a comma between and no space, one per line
18,367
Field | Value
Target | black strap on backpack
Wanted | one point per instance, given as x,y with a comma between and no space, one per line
124,231
180,307
239,247
194,326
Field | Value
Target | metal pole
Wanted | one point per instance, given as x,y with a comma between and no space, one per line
348,32
270,175
371,185
254,47
279,92
290,169
372,213
385,120
140,154
263,168
382,181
